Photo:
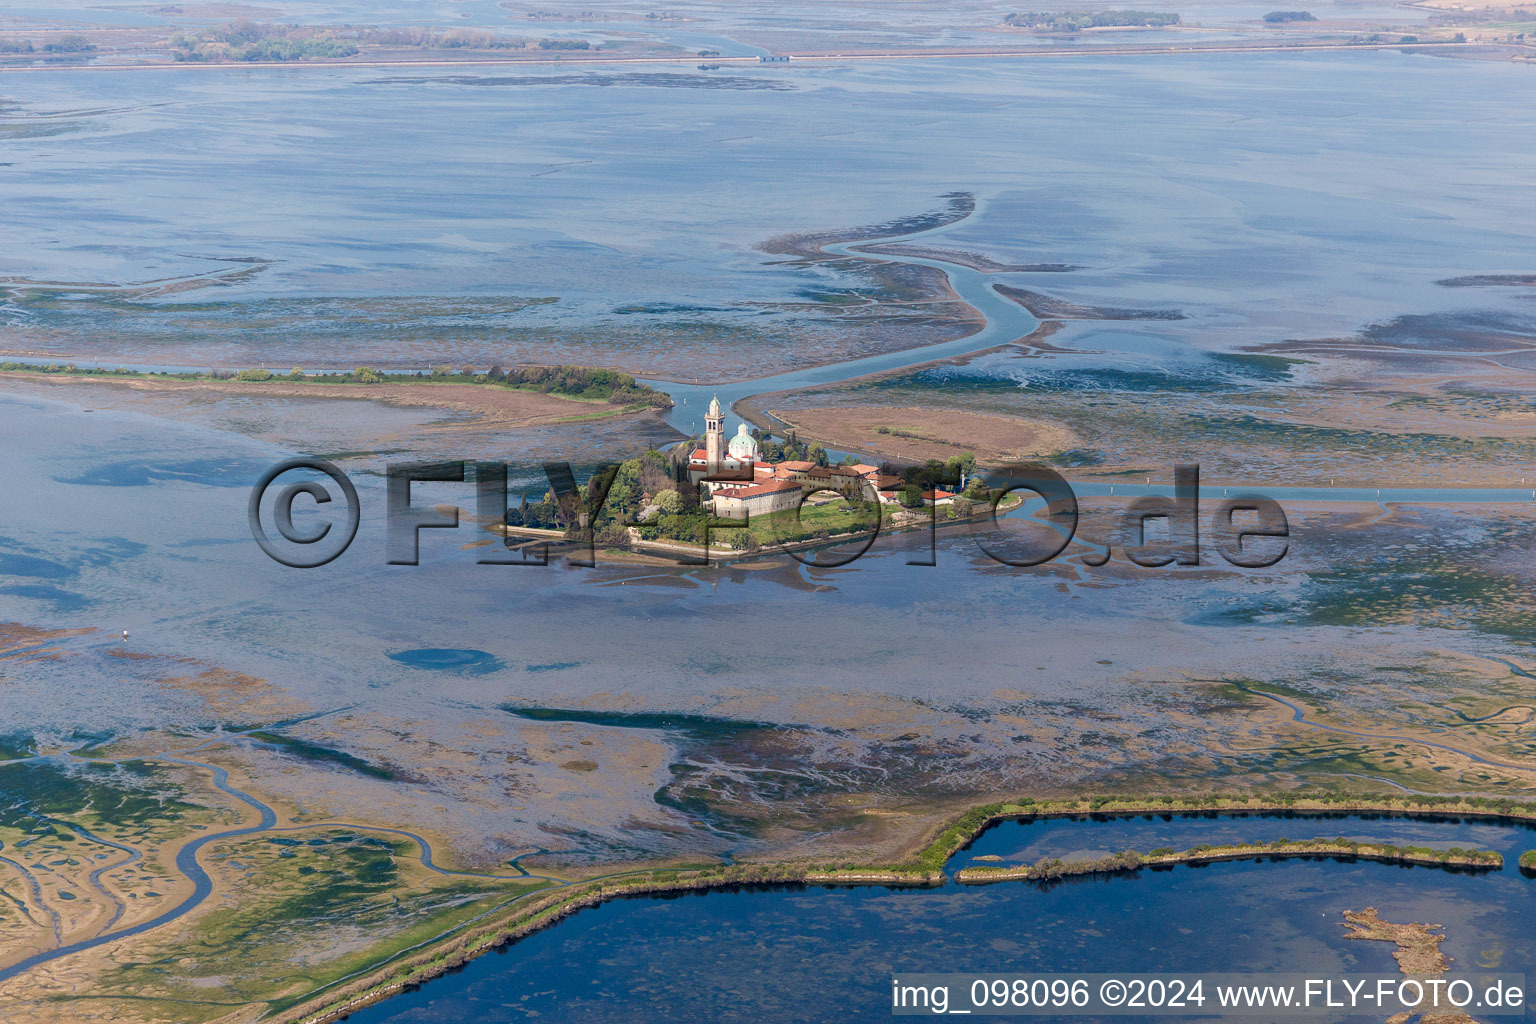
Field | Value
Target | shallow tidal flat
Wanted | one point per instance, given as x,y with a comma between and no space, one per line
914,434
1246,419
577,722
623,249
391,420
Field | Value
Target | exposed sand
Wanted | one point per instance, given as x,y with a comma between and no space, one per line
33,641
920,433
965,258
1469,5
484,405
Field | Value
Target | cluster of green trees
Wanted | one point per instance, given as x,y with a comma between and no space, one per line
15,46
121,371
74,42
1076,21
295,49
259,41
791,449
1281,17
477,41
619,493
944,474
457,39
544,514
587,382
650,494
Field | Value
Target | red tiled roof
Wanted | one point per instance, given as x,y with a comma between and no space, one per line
796,467
864,468
771,487
936,495
700,455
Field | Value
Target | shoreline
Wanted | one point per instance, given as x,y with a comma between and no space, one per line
1132,860
924,870
543,913
641,553
754,408
361,383
1298,46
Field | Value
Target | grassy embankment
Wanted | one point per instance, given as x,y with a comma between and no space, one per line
1131,860
546,907
924,868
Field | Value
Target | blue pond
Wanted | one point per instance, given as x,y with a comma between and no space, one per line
828,953
463,660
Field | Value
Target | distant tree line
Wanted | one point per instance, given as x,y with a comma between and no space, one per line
258,41
1076,21
588,382
261,41
1280,17
72,42
584,382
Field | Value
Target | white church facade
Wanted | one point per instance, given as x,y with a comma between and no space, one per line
740,486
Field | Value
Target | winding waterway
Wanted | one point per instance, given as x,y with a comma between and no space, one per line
1006,322
188,865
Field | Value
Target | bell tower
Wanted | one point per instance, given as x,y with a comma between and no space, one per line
714,435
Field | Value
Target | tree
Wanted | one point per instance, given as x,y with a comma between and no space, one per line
73,42
296,374
910,496
668,501
816,453
958,464
254,375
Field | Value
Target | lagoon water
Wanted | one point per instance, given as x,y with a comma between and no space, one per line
1329,191
144,520
828,954
1266,197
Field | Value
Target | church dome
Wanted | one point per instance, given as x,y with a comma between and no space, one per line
743,447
